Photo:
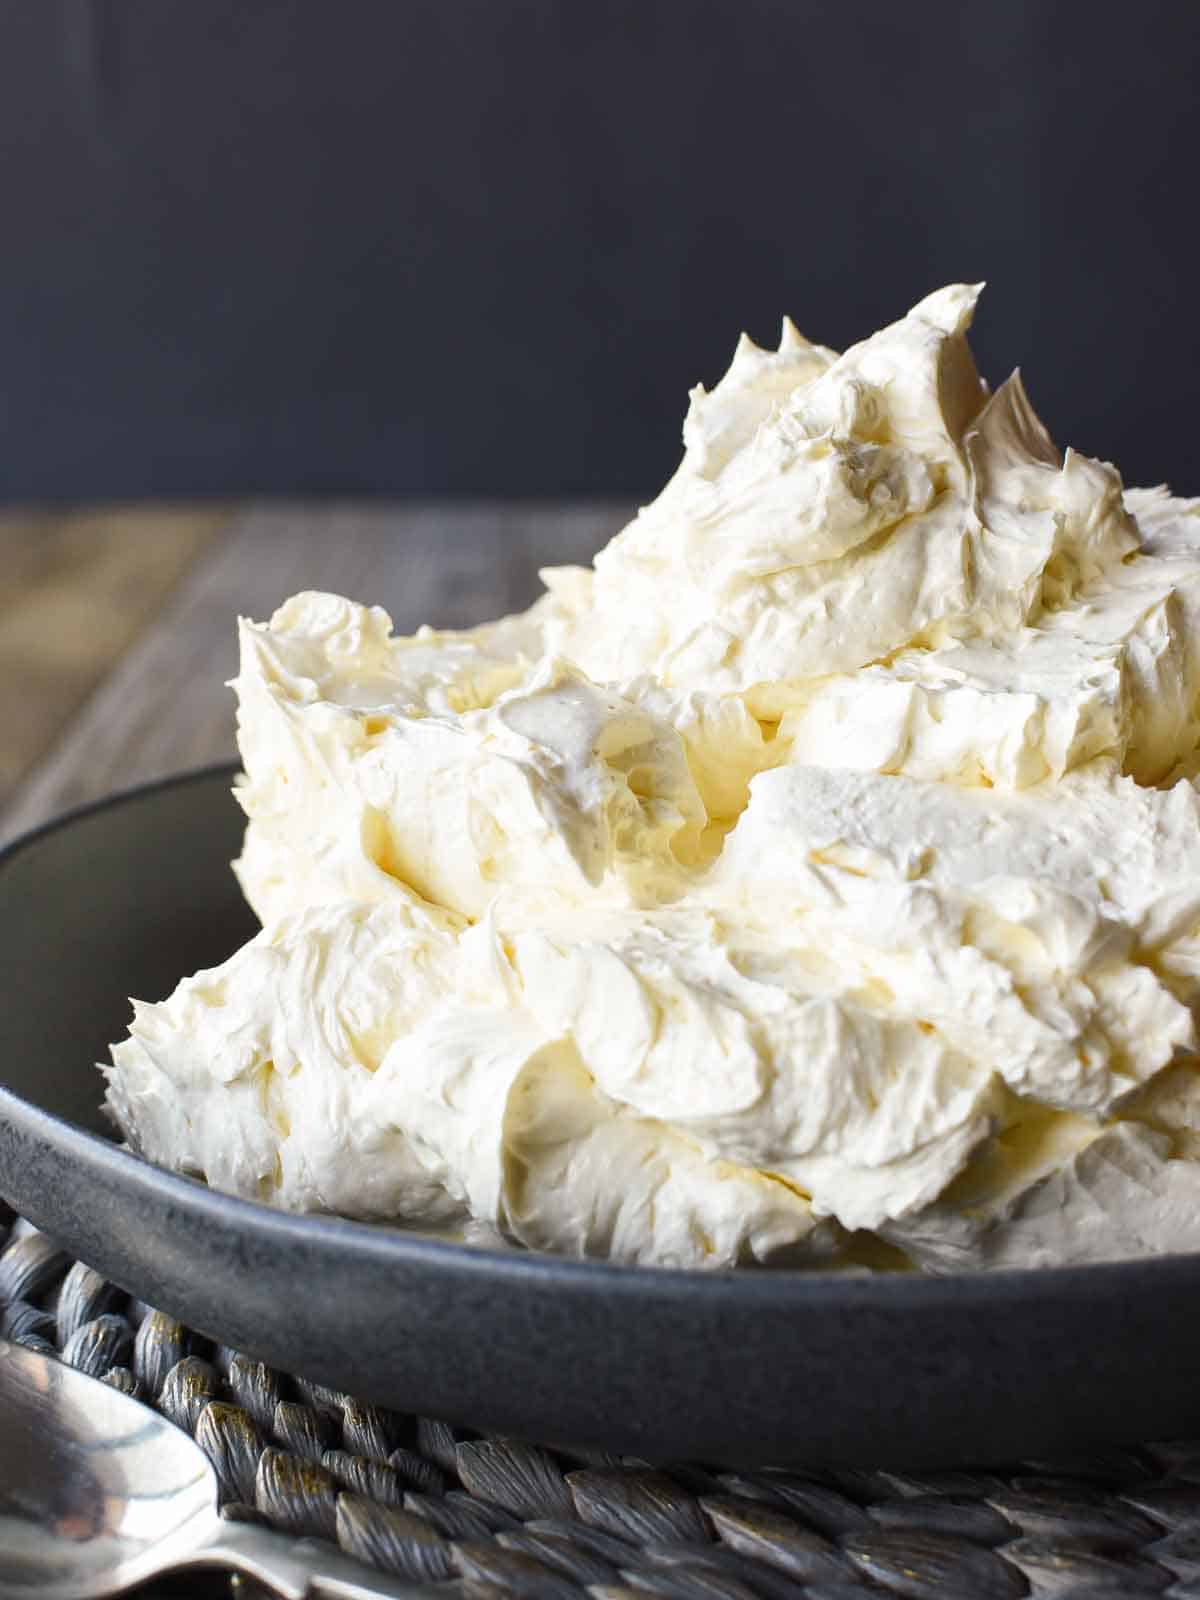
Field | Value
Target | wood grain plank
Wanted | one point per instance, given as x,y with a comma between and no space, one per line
76,589
165,707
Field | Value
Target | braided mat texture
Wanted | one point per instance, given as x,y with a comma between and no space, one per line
493,1517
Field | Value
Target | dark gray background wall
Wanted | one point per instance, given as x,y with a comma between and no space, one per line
486,245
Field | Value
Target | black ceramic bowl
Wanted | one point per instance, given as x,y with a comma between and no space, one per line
749,1367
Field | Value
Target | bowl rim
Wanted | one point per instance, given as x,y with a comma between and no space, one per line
379,1246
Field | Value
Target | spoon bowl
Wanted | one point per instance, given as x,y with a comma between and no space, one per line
99,1493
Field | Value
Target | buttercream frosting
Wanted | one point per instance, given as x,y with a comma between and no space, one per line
820,866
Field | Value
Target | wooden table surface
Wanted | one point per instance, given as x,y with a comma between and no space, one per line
117,638
117,628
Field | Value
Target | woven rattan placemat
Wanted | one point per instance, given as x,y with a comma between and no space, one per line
488,1516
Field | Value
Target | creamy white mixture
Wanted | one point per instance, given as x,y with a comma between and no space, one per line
819,872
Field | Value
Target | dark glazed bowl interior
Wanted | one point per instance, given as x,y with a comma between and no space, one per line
752,1367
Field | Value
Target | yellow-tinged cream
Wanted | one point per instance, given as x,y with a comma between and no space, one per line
824,860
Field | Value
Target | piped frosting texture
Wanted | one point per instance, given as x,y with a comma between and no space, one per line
818,872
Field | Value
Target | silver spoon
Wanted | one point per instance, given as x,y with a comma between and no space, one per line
98,1493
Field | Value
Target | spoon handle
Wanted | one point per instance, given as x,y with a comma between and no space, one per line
300,1569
